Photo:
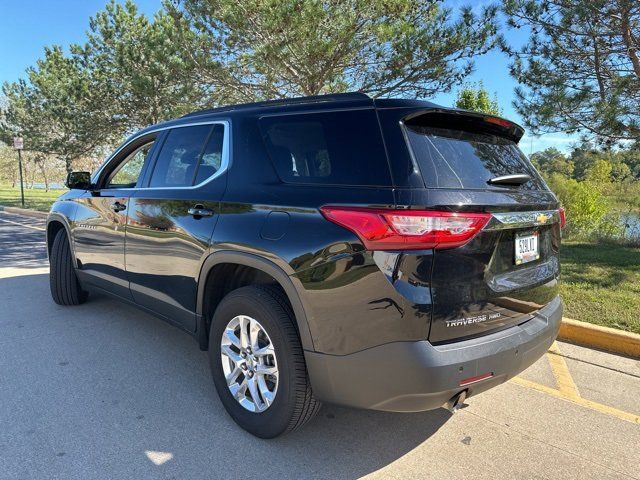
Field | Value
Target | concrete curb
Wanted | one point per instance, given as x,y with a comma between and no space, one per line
24,211
602,338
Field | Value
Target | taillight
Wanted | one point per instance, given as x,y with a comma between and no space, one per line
382,229
563,217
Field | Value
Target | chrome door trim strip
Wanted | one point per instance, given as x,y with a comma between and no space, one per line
226,154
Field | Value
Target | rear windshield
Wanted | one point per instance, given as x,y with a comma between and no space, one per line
461,159
334,148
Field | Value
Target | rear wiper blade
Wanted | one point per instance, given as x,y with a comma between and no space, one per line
515,179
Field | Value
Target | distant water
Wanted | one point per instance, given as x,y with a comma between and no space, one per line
631,224
52,186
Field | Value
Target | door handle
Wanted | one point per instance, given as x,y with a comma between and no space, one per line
199,211
118,207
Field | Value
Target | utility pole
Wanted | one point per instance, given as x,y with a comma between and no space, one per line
18,144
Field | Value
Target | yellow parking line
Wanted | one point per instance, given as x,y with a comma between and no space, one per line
567,389
598,407
561,372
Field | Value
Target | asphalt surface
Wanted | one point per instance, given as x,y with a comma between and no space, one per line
105,391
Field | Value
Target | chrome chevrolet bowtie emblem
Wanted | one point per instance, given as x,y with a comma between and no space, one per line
542,218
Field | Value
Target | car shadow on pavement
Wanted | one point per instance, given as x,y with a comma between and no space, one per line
103,390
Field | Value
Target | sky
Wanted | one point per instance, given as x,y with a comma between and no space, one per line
27,26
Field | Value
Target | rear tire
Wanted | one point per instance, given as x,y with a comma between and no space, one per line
293,404
65,288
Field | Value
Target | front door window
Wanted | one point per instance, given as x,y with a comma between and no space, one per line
127,173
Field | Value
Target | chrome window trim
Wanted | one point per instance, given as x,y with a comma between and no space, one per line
224,165
536,218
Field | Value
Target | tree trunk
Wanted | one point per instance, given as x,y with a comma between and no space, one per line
627,36
44,175
597,65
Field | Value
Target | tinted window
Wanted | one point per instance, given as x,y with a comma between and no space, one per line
340,148
127,173
211,160
461,159
177,161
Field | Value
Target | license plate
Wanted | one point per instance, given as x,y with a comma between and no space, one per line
527,247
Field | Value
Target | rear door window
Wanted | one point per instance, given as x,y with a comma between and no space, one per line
334,148
178,159
462,159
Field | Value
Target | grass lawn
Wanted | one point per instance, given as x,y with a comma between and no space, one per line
35,199
601,284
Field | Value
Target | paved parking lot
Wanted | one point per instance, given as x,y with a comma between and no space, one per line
105,391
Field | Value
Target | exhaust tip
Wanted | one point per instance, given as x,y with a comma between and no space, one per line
456,402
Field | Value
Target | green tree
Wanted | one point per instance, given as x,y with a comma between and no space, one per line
587,208
129,74
139,66
599,172
551,161
580,69
8,164
620,171
260,49
583,156
55,109
631,158
476,98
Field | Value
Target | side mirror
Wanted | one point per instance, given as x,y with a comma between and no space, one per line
78,181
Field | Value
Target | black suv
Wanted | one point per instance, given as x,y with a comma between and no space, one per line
384,254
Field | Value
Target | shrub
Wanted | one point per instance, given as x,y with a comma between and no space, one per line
588,211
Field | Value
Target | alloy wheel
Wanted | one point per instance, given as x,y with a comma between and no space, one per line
249,363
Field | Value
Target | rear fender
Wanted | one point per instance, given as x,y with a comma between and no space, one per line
286,282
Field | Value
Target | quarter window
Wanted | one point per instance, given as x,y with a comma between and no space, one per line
335,148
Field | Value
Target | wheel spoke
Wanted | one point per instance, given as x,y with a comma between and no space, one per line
233,376
266,350
231,336
255,396
266,370
244,334
267,394
239,390
231,354
254,330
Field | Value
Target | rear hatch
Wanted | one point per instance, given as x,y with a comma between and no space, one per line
507,271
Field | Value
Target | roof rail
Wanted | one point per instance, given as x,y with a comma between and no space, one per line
332,97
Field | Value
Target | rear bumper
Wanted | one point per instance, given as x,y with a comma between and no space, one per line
417,376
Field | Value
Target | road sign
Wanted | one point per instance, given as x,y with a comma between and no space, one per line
18,143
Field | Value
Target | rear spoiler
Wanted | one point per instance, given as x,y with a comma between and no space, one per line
465,120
